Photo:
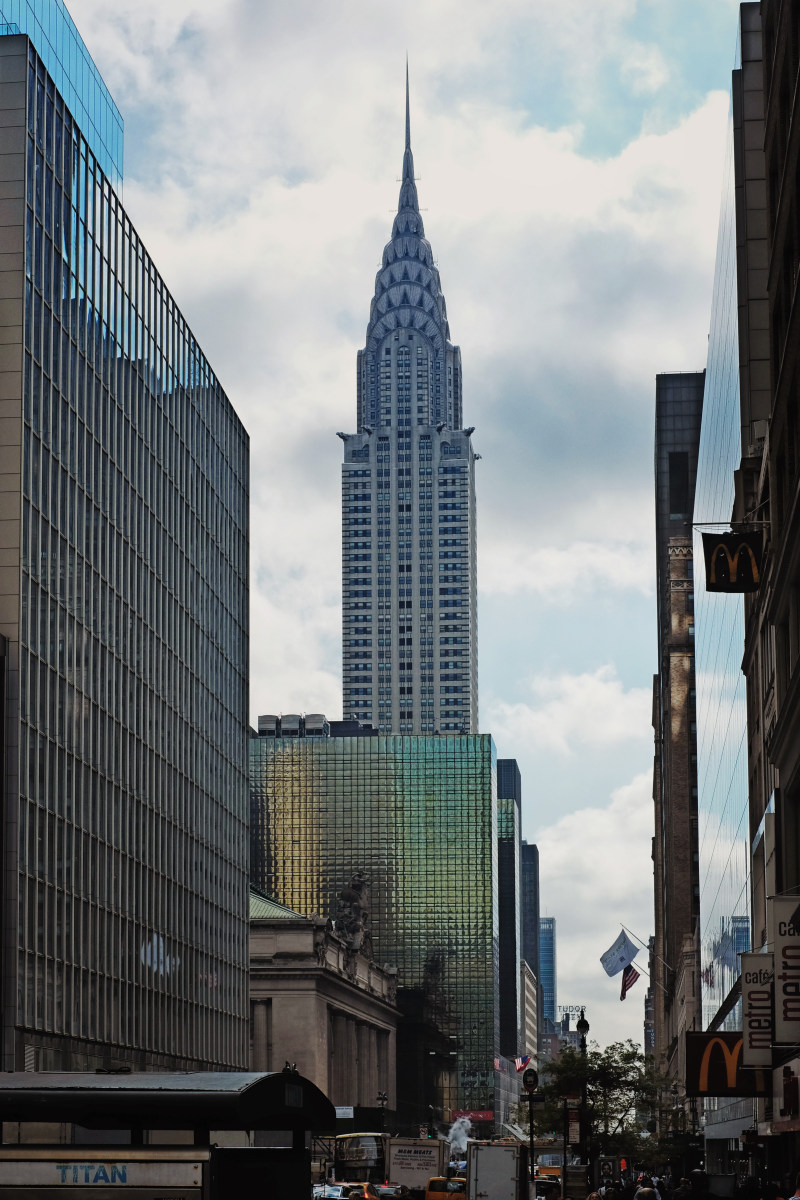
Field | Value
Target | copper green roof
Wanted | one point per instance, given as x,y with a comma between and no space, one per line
264,908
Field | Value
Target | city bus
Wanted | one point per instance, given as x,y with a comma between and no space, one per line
360,1157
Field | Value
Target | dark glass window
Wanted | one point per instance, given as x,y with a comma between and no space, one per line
679,483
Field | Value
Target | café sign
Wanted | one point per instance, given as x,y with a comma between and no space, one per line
757,1025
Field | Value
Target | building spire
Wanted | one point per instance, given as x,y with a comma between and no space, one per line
408,112
408,204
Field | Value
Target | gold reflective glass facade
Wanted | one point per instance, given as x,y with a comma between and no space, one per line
419,816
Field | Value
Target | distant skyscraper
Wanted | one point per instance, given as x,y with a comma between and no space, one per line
547,966
418,815
408,504
679,408
530,905
509,817
123,605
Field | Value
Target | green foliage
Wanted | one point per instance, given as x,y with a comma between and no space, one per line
621,1087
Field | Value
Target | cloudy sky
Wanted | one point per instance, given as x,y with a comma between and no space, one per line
569,165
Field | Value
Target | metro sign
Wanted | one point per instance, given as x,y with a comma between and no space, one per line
758,971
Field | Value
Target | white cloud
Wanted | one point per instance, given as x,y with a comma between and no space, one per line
644,69
595,875
570,712
582,278
263,143
561,575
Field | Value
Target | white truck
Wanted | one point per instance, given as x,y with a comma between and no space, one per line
413,1161
497,1171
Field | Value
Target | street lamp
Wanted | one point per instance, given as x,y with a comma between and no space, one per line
582,1027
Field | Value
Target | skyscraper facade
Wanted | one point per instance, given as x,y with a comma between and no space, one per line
547,967
679,407
529,903
418,816
509,819
123,604
734,426
720,619
410,655
750,855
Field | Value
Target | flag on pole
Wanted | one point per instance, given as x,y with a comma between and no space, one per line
619,955
629,977
521,1063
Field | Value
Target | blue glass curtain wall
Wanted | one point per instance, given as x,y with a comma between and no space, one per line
719,638
69,64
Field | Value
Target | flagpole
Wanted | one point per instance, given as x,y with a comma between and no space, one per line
622,955
646,947
657,982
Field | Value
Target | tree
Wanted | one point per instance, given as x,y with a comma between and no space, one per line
621,1087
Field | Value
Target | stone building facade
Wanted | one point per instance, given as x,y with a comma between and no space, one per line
317,1003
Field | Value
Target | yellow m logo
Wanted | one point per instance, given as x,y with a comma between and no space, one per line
733,562
732,1055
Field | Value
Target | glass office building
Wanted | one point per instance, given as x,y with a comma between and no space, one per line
547,967
75,76
123,599
418,815
509,853
529,884
719,641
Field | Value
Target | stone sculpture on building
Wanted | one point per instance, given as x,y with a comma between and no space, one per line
351,922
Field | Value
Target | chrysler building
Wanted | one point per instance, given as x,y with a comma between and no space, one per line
409,586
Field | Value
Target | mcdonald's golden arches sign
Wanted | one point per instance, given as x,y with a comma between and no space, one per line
714,1067
733,561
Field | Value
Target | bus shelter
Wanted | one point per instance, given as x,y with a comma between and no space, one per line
184,1112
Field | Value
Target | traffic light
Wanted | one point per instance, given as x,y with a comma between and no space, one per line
623,1164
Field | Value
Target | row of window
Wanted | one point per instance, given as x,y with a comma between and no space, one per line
133,651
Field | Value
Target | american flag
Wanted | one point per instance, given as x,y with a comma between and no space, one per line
521,1063
629,977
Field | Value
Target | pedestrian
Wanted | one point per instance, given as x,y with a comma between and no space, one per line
699,1182
646,1185
796,1188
